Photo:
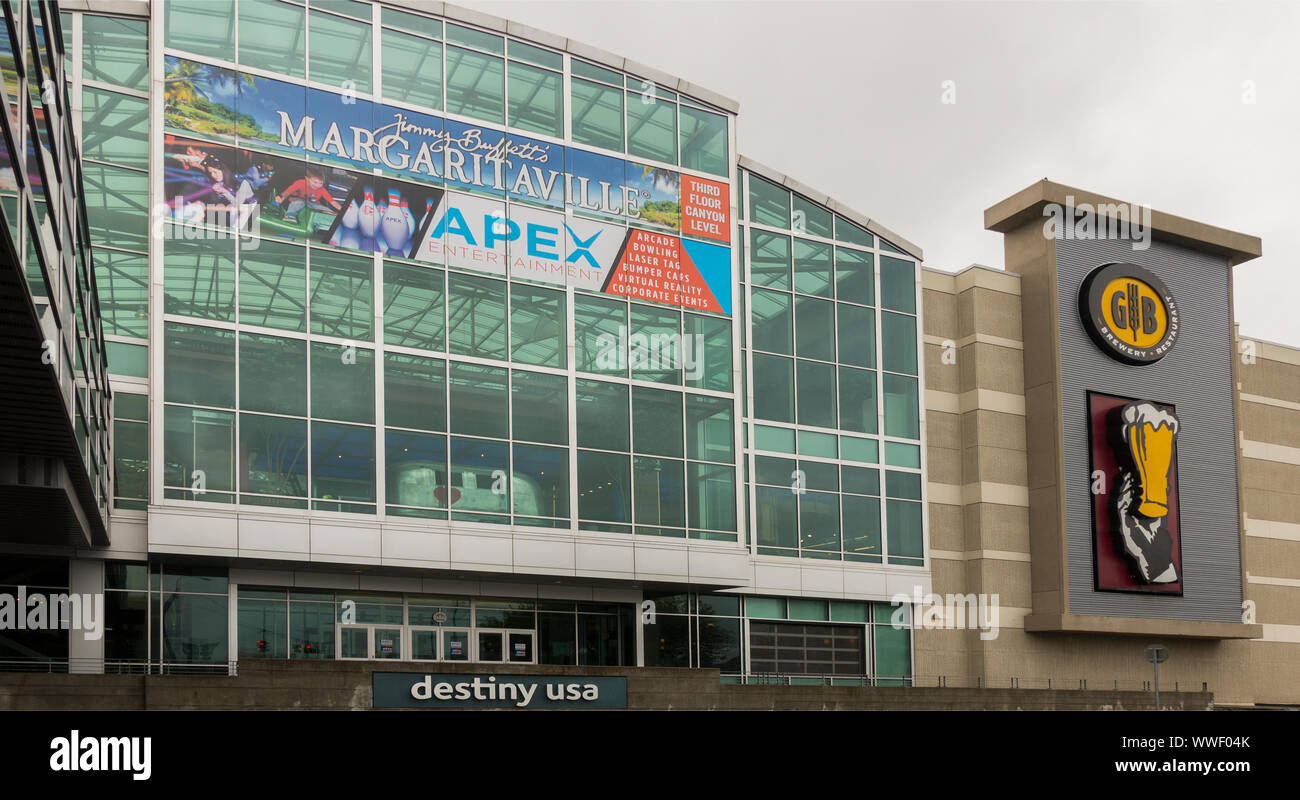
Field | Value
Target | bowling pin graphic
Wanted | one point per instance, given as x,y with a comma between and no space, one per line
350,216
368,218
394,227
347,237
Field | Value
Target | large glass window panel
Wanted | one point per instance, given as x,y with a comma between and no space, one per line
846,231
476,85
812,268
814,328
412,69
855,278
773,388
861,525
600,329
773,321
116,50
541,481
414,306
660,495
117,210
122,281
709,428
273,455
651,127
476,316
709,349
597,115
342,383
857,400
898,284
711,500
893,652
902,411
479,403
898,342
819,521
720,644
205,27
808,217
536,99
602,415
860,480
273,285
656,421
272,374
905,538
311,630
195,629
768,203
199,278
199,365
273,35
114,127
604,487
342,466
342,302
480,476
704,141
556,639
668,642
816,394
654,344
339,51
540,408
776,517
199,451
131,459
537,326
856,327
769,259
415,392
903,485
416,469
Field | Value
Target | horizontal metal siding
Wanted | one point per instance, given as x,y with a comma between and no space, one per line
1196,376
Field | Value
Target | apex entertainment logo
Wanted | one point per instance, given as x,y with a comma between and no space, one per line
77,753
1129,313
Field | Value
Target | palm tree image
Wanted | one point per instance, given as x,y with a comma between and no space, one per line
188,104
663,212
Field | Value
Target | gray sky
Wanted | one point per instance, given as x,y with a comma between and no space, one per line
1138,101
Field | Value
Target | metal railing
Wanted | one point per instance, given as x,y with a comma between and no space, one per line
102,666
957,682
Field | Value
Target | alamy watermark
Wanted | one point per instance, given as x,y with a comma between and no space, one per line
981,612
38,611
655,351
1124,221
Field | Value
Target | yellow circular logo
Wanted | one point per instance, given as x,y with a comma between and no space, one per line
1129,312
1134,311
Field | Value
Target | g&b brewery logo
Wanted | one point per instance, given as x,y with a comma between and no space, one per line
1129,313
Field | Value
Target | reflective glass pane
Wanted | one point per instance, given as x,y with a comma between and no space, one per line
597,115
479,403
273,375
651,127
537,325
812,268
709,428
707,351
904,518
654,344
602,415
199,365
604,486
479,478
773,388
773,321
857,400
199,451
342,302
862,525
339,52
819,521
898,342
540,407
816,394
122,282
704,141
600,327
116,50
116,206
415,392
475,85
776,517
536,99
416,470
114,127
808,217
814,328
656,421
769,259
660,495
857,335
131,459
541,481
273,455
205,27
902,414
412,68
273,285
273,35
199,278
413,306
712,496
898,284
768,203
476,316
342,466
855,279
342,382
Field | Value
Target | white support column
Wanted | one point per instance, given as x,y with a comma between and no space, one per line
86,578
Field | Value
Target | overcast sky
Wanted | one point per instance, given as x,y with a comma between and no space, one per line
1138,101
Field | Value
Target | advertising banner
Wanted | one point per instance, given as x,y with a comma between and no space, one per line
368,213
1137,538
482,169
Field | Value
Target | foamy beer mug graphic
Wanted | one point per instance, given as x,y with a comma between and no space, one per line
1147,434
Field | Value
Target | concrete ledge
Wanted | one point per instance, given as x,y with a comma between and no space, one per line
1183,629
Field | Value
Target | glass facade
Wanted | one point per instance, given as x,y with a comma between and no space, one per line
289,371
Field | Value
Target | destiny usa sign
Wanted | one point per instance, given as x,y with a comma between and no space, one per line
414,690
513,204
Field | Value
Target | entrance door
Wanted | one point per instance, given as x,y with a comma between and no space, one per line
519,647
455,645
491,646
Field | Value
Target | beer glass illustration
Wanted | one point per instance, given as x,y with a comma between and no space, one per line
1147,434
